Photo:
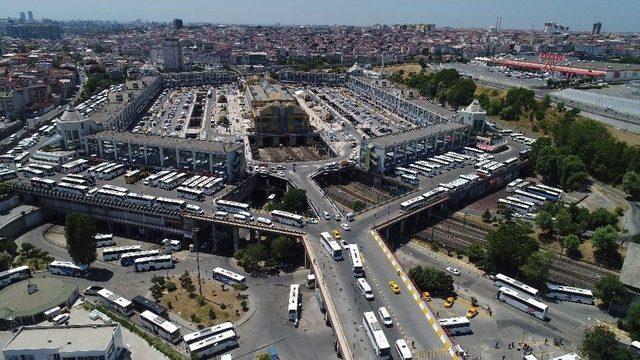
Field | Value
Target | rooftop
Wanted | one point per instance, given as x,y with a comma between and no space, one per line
225,145
16,303
69,338
264,90
630,273
417,133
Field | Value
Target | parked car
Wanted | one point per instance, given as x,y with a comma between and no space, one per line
454,271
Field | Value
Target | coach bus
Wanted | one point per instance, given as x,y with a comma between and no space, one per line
169,183
74,181
129,258
115,302
356,261
287,218
331,246
412,203
404,171
376,335
206,333
294,302
459,325
151,179
170,204
140,199
157,262
113,171
505,281
10,276
191,194
569,293
527,196
67,268
160,326
103,240
410,179
72,188
523,302
7,174
403,350
232,206
141,304
212,345
42,183
227,277
547,194
214,186
435,195
115,188
114,253
110,195
75,166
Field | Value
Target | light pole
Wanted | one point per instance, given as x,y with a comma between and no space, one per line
195,234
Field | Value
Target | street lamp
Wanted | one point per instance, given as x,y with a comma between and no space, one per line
195,234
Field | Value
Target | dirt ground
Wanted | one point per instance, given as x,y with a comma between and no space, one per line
289,154
390,69
225,303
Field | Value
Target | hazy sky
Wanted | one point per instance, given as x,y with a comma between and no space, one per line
616,15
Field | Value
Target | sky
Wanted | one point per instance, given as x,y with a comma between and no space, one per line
616,15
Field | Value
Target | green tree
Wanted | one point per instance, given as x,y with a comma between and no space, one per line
510,245
571,172
610,290
263,357
160,280
358,205
252,256
602,217
600,343
604,239
564,223
571,243
295,201
476,253
537,266
486,216
631,183
80,234
5,261
436,281
185,280
283,249
544,220
156,291
631,321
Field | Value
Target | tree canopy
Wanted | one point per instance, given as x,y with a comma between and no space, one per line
446,85
600,343
295,201
435,281
80,234
610,290
510,245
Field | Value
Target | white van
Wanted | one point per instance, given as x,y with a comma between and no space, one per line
385,316
61,319
265,221
403,350
365,288
52,313
221,214
239,217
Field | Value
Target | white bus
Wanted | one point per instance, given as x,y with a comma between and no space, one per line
171,182
113,171
42,183
404,171
191,180
129,258
21,158
160,326
140,199
103,240
151,263
412,203
403,350
458,325
212,345
551,189
227,277
435,195
170,204
7,174
151,180
365,288
213,186
505,281
75,166
96,170
206,333
287,218
569,293
45,168
294,301
171,245
547,194
376,335
356,261
232,206
115,302
74,180
10,276
523,302
30,172
409,179
528,196
191,194
115,188
67,188
110,195
517,207
332,247
67,268
114,253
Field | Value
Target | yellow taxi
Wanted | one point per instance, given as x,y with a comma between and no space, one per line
472,312
394,287
336,234
449,302
426,296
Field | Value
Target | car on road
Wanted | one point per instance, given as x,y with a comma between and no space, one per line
326,215
92,290
336,234
344,244
472,312
338,217
345,227
385,316
449,302
426,296
312,221
454,271
394,287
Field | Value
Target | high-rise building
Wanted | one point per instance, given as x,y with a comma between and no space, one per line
177,24
172,52
30,15
22,16
596,28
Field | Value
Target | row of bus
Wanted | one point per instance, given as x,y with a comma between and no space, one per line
431,167
241,212
107,170
526,198
487,167
379,340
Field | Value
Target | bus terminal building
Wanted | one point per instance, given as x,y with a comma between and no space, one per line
225,158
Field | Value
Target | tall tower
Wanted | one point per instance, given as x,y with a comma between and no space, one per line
22,16
595,30
30,15
172,52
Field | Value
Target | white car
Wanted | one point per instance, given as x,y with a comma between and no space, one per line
338,217
344,244
454,271
345,226
312,221
326,215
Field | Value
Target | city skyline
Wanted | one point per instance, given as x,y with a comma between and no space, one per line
578,15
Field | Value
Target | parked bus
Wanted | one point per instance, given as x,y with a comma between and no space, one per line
568,293
115,188
67,268
505,281
376,335
157,262
527,196
459,325
114,253
409,179
151,180
113,172
214,186
128,259
404,171
141,304
21,158
7,174
171,245
232,206
212,345
74,181
72,188
103,240
206,333
140,199
110,195
517,207
133,176
331,246
30,172
547,194
356,261
160,326
42,183
412,203
172,182
74,166
403,350
551,189
365,288
523,302
115,302
294,302
287,218
16,274
191,180
227,277
170,204
435,195
191,194
96,170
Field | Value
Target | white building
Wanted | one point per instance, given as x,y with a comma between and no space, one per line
172,52
92,341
